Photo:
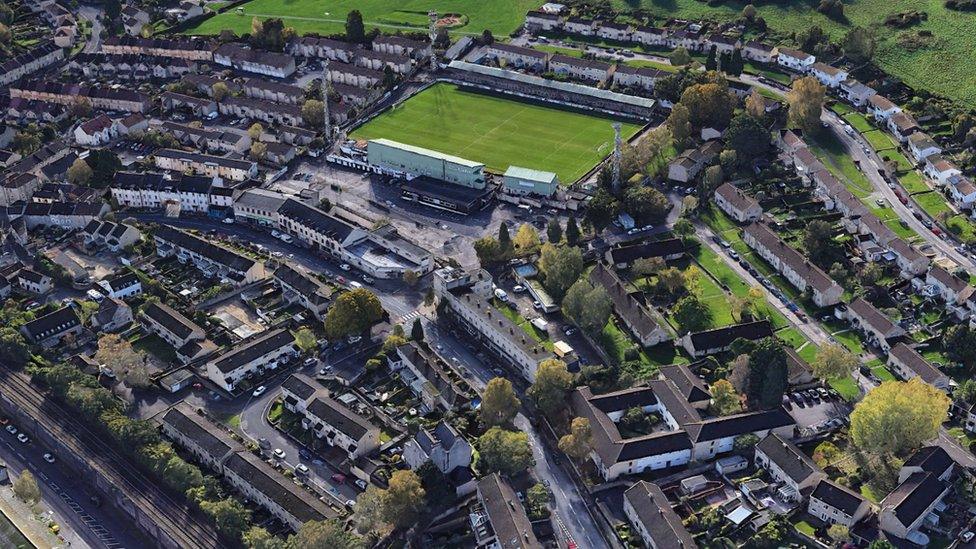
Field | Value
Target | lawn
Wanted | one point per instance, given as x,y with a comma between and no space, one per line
913,183
902,164
792,337
878,139
157,347
832,153
933,203
857,120
775,76
851,340
846,387
961,226
498,131
938,63
712,296
329,16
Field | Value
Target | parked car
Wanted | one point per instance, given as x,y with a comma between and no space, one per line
301,469
361,484
11,429
279,453
311,361
23,438
261,390
345,267
48,458
338,478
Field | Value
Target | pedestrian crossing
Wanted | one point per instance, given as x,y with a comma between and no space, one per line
407,318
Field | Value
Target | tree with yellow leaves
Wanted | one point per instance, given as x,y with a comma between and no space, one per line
897,417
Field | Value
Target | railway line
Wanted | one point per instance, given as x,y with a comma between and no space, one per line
183,527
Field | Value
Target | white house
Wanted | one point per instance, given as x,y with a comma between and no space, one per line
651,516
740,206
95,132
907,363
788,465
940,169
794,60
793,265
921,146
881,108
827,75
328,418
875,325
266,350
836,504
122,286
443,446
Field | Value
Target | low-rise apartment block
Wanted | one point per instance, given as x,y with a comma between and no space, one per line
262,351
277,65
330,419
211,259
737,204
796,268
205,164
305,289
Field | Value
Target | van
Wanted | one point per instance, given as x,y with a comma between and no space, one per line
286,238
501,295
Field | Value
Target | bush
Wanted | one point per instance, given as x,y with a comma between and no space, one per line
908,18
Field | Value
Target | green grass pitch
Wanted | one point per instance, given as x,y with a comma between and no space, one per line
329,16
498,131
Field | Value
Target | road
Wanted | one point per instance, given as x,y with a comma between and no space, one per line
93,14
83,524
569,508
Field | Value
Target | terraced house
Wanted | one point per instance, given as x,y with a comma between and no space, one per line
797,269
258,353
328,418
209,258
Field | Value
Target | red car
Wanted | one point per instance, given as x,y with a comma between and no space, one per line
338,478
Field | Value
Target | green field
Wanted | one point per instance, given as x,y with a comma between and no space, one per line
497,131
329,16
939,63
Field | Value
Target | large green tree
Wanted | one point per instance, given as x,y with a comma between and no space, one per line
548,391
559,266
499,405
747,137
768,373
505,452
352,313
897,417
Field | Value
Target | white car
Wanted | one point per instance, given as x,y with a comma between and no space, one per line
276,234
518,289
279,453
259,391
345,267
49,458
301,469
310,361
23,438
228,221
11,429
361,484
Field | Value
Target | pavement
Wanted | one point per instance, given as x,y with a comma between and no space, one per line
65,499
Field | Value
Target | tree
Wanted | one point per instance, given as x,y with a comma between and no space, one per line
833,9
859,45
417,330
13,346
680,57
487,38
725,399
257,537
806,99
691,314
710,104
368,515
679,122
554,231
352,313
652,148
818,240
833,362
881,544
839,533
403,500
736,64
230,516
711,63
219,91
572,231
773,534
488,250
104,163
966,392
537,502
305,340
960,344
587,305
683,228
756,105
745,443
28,140
505,452
897,417
258,150
768,374
313,112
499,403
323,534
118,355
355,31
26,488
80,107
870,274
548,391
6,14
747,137
646,204
601,210
504,238
255,131
671,279
559,266
526,239
578,443
79,173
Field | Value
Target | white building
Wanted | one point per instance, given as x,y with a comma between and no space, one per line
836,504
796,268
795,60
443,446
266,350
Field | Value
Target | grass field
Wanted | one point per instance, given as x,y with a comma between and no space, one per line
329,16
939,64
497,131
878,140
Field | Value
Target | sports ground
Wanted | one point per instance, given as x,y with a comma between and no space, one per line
498,132
329,16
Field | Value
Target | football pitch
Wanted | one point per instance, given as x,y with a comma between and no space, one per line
497,131
329,16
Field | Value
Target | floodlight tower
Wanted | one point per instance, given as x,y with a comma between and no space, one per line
432,30
617,144
326,127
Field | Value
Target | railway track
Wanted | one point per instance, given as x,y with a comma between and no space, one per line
185,528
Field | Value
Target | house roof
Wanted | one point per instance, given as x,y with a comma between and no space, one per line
506,514
881,102
795,54
827,69
301,386
223,256
917,363
739,424
254,348
903,122
689,385
213,440
263,478
813,275
931,459
654,511
734,196
912,498
315,219
947,279
627,305
122,281
308,286
342,419
169,318
790,459
579,62
627,252
870,315
52,323
837,496
517,50
239,54
723,337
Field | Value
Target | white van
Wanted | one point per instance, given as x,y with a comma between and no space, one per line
501,295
